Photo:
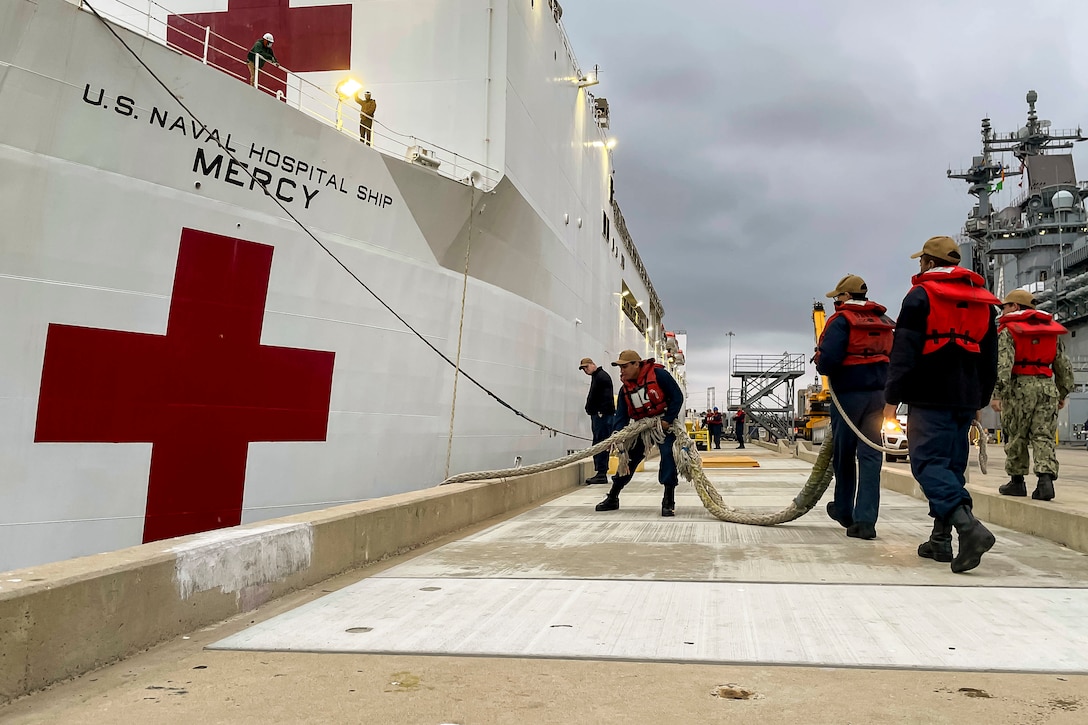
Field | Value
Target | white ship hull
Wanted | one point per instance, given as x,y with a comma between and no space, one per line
142,354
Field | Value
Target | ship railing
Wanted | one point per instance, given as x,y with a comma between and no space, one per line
180,34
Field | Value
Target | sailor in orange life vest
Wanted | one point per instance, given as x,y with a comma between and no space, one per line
1034,376
853,354
646,389
944,366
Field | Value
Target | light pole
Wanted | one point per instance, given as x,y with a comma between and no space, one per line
729,366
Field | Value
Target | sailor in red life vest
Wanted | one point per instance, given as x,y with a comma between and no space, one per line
853,354
738,426
944,366
646,389
714,422
1034,376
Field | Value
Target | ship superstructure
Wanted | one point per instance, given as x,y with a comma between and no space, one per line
1039,242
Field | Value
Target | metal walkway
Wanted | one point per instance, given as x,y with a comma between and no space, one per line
563,581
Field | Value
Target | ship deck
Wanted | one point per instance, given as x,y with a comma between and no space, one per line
561,614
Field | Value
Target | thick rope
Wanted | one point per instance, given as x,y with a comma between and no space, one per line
976,430
461,324
861,436
622,439
689,465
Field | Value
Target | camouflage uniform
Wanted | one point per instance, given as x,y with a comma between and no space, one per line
1029,409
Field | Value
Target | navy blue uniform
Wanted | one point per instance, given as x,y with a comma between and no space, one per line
944,391
860,390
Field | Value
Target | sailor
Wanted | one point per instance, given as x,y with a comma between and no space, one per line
647,389
714,422
853,353
261,49
943,363
600,407
1034,376
367,108
738,426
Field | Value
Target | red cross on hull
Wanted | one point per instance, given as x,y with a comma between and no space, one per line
199,394
308,39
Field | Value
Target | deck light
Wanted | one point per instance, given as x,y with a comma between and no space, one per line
348,88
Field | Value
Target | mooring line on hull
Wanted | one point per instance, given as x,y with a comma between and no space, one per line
311,235
461,324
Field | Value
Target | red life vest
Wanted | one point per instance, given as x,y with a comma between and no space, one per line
714,419
871,333
1035,335
645,396
959,308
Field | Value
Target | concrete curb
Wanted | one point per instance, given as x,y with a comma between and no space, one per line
1070,529
60,620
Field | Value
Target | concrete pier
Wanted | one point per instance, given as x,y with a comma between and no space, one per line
563,614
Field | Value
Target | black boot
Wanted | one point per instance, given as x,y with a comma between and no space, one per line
1044,490
861,530
1015,487
939,546
668,501
610,503
612,498
975,539
843,521
598,478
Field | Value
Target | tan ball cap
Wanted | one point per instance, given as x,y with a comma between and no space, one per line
943,248
1021,297
627,356
850,284
585,361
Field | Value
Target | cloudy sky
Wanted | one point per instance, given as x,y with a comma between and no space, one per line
768,147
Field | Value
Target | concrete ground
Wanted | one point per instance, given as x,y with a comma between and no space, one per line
422,607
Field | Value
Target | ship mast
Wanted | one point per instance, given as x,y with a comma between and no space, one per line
993,232
980,177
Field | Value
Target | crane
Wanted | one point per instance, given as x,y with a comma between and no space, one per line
815,400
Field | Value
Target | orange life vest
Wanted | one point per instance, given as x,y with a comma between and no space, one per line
959,308
645,396
1035,335
871,333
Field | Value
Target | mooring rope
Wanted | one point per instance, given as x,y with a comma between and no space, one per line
976,436
690,466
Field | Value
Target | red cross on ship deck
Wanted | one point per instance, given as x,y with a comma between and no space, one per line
199,394
307,39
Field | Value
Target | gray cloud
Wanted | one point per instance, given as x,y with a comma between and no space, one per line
766,148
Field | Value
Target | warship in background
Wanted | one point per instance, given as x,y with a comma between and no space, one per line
1039,242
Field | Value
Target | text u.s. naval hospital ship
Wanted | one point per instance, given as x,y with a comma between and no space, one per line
181,354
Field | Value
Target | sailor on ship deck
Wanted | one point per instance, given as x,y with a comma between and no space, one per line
261,50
